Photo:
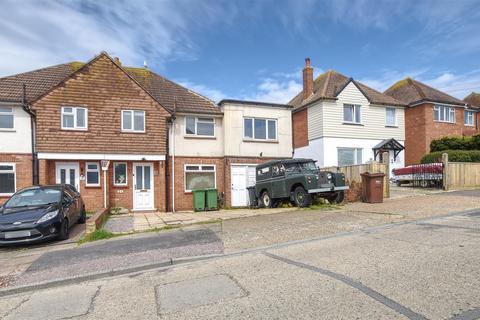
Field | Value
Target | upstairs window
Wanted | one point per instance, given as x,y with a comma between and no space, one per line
92,174
7,118
391,117
74,118
260,129
203,127
469,118
352,113
444,114
7,179
133,121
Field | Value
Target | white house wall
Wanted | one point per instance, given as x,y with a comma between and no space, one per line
19,139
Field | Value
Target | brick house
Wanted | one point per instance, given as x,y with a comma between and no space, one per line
431,114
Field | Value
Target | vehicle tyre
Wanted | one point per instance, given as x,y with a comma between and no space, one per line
398,183
337,197
265,200
301,197
83,216
64,232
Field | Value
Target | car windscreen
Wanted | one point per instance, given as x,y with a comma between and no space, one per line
34,197
308,166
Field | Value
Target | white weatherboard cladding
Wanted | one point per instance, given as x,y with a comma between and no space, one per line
315,121
18,140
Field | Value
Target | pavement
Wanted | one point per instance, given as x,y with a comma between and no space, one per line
411,269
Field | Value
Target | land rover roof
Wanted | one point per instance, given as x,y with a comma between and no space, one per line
284,161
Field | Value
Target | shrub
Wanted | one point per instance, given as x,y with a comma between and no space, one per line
456,143
453,155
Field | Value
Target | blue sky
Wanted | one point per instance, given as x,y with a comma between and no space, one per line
253,49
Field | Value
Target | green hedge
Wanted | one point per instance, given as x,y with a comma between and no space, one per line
456,143
453,155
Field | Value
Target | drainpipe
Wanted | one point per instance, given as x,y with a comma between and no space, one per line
174,117
167,168
27,109
105,188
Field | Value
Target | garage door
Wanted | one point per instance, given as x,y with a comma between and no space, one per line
242,177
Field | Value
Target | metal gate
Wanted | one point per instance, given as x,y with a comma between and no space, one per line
428,175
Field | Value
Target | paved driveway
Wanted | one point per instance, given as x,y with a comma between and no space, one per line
427,269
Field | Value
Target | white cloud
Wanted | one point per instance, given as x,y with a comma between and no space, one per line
210,93
389,77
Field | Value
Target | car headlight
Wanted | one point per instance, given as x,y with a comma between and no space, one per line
329,176
48,216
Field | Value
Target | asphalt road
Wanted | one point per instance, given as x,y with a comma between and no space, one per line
428,269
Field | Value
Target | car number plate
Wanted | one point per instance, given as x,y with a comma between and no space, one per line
17,234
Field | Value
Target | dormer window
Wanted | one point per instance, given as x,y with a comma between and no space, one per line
74,118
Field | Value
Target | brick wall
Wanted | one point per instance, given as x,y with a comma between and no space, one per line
104,90
300,128
23,169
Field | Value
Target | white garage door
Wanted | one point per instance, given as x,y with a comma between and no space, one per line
242,177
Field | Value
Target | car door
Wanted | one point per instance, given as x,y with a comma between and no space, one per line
68,204
278,182
76,205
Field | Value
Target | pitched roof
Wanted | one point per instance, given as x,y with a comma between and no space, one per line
166,92
473,99
412,92
329,85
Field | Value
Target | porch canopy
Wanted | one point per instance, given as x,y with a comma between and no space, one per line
388,145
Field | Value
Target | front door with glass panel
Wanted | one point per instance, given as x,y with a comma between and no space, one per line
143,187
68,173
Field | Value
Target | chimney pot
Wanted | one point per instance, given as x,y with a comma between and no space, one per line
307,79
307,62
117,61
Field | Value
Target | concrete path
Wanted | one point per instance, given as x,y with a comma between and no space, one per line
415,270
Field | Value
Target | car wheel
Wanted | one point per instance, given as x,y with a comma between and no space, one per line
301,197
64,232
83,216
337,197
266,200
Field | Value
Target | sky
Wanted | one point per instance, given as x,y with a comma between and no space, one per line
253,50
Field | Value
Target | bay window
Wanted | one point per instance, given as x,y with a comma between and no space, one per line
199,177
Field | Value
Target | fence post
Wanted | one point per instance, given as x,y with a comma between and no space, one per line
386,179
445,171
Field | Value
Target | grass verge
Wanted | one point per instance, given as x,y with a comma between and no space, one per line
98,235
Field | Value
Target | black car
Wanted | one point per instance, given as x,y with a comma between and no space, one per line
40,213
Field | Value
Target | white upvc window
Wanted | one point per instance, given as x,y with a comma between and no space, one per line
199,126
133,121
469,117
349,156
74,118
120,177
352,113
7,118
444,114
92,173
8,184
391,117
200,176
260,129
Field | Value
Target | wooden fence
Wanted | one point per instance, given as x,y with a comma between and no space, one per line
460,175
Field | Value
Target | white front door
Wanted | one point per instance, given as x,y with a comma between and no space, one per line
68,173
242,177
143,186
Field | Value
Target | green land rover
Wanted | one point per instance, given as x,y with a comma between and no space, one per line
297,180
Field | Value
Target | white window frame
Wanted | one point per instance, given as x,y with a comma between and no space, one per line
87,170
196,126
356,109
126,175
471,116
200,166
252,119
355,155
395,123
445,111
8,113
14,171
132,123
74,114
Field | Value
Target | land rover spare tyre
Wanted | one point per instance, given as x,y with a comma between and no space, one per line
301,197
265,200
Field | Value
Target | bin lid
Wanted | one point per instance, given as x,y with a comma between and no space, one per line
373,175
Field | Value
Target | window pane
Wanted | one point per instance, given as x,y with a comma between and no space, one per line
359,159
358,114
260,129
81,118
272,129
6,167
92,166
346,157
199,180
139,117
209,120
436,114
92,177
7,182
6,109
190,125
147,177
348,113
205,129
138,178
127,120
196,168
120,176
67,121
390,116
67,110
6,121
247,128
210,168
72,177
62,176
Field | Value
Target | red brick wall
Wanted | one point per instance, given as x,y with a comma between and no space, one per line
23,169
300,128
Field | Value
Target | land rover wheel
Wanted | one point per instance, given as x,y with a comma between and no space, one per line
301,197
266,200
336,197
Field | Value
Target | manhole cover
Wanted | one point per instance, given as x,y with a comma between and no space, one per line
187,294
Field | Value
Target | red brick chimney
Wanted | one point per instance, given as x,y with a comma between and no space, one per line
307,79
